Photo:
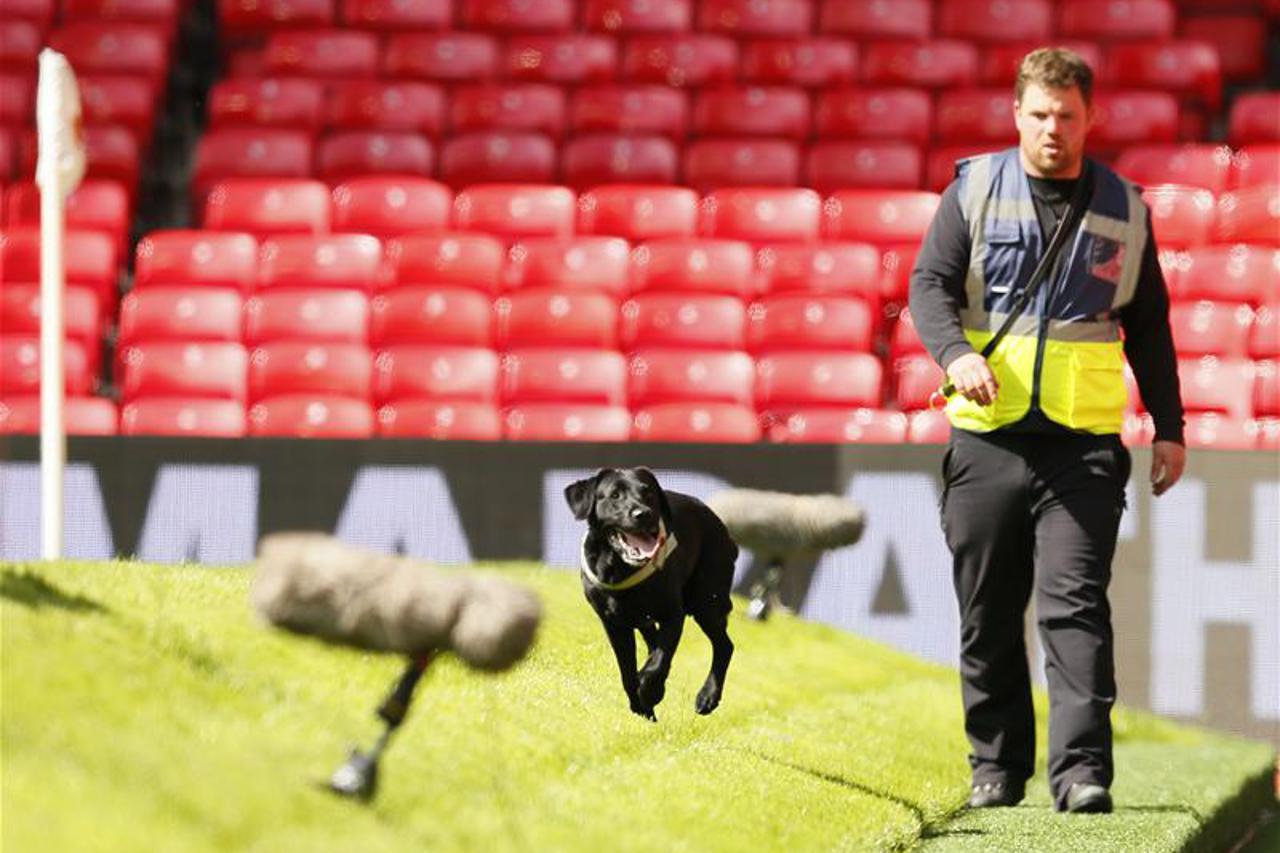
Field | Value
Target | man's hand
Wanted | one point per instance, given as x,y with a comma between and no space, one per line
973,379
1168,459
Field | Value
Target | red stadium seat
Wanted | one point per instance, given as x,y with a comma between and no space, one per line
904,114
996,20
1264,341
508,156
460,420
311,416
323,260
1199,165
1211,328
17,99
296,103
565,58
600,158
309,367
111,153
516,210
82,316
810,321
179,313
219,259
638,16
186,416
802,379
752,18
851,269
701,266
810,62
916,377
587,263
975,116
1250,215
905,339
455,57
724,423
411,371
682,375
327,316
1189,69
567,422
1106,20
1131,117
896,264
354,154
256,18
1238,273
853,164
1266,389
536,107
467,260
837,426
268,206
518,15
431,314
1213,431
243,152
1254,117
91,260
546,316
80,415
752,111
1212,384
636,109
37,12
387,206
184,369
1255,165
685,320
1180,216
95,205
20,366
114,48
1239,39
940,167
889,216
391,16
872,19
1137,430
687,59
933,64
998,64
763,215
638,212
713,163
325,54
567,375
386,105
20,43
928,427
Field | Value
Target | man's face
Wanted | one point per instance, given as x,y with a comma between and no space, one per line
1052,125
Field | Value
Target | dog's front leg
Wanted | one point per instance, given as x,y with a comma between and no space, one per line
623,640
653,675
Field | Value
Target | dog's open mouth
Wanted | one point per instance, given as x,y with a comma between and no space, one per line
635,547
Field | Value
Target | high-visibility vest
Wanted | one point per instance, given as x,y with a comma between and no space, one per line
1064,352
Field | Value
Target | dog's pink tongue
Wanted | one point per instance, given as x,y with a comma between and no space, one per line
646,544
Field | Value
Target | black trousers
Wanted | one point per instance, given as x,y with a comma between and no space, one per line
1024,512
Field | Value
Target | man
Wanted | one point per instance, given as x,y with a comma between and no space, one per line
1035,472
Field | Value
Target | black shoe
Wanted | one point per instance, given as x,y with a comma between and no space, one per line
986,795
1088,798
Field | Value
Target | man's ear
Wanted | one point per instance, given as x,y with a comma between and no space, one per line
581,496
652,482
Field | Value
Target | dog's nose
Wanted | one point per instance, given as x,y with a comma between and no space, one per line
641,513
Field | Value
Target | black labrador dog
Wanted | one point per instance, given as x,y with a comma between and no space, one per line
651,557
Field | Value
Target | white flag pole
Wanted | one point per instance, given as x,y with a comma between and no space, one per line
59,169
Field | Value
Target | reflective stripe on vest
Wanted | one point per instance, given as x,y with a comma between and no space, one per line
1075,311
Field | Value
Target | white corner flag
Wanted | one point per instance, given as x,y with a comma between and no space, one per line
59,169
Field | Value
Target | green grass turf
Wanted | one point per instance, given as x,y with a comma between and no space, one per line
144,708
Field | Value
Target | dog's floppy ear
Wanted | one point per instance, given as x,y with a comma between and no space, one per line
581,496
652,482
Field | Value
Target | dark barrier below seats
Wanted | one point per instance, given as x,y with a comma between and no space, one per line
1196,587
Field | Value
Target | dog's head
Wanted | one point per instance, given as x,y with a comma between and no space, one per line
624,506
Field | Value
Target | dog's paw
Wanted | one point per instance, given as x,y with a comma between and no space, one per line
644,711
708,697
653,686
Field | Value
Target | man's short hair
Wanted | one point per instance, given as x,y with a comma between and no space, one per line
1054,68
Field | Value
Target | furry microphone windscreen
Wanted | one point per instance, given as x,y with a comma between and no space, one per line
313,584
779,525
